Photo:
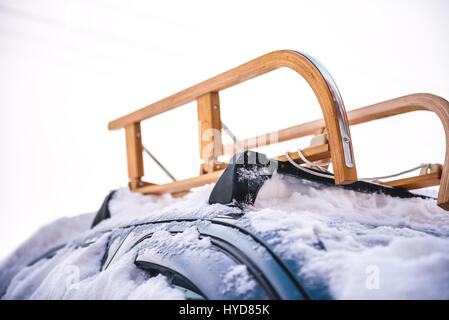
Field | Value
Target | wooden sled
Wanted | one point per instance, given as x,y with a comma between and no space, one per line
336,121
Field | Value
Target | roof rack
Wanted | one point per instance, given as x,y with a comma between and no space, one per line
335,123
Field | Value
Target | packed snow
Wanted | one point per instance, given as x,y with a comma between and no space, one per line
75,275
375,246
239,278
404,243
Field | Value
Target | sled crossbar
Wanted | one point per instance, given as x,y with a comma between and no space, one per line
315,153
335,123
416,182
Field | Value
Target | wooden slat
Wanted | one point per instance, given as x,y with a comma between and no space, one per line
209,122
181,185
134,153
311,154
244,72
298,131
416,182
180,194
405,104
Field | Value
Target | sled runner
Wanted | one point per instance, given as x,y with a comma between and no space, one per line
331,142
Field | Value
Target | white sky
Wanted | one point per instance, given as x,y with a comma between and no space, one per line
69,67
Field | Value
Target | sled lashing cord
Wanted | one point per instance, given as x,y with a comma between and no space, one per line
332,138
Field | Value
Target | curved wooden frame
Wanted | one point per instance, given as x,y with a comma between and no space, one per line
311,70
409,103
405,104
336,121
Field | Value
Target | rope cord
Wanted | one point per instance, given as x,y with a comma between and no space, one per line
313,164
423,165
318,165
323,175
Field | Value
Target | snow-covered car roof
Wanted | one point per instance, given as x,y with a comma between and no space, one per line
337,243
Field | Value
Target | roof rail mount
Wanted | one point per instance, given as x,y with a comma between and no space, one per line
247,171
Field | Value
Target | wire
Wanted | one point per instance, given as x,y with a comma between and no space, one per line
237,142
158,163
423,165
328,176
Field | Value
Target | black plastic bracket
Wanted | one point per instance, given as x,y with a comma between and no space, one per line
103,213
242,179
247,171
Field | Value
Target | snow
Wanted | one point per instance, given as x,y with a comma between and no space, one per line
180,242
127,207
57,233
405,240
238,278
75,275
376,247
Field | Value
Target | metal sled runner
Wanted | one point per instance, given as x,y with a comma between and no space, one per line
335,147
